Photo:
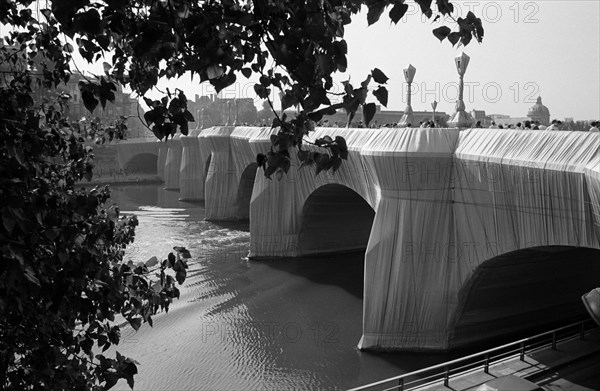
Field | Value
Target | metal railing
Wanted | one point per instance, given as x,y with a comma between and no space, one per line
481,360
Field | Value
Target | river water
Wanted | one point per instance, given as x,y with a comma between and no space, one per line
248,325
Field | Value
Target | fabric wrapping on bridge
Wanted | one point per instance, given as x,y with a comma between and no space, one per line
407,267
517,190
229,152
173,162
277,221
191,176
162,159
220,179
451,201
450,207
592,174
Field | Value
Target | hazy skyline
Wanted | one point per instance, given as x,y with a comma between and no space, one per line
548,48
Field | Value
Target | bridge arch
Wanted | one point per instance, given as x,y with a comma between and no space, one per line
244,191
522,291
334,219
142,163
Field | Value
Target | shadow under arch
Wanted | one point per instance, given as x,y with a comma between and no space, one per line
523,292
335,219
143,163
244,193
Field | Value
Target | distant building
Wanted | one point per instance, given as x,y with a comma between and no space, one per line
499,117
213,111
123,105
539,112
479,115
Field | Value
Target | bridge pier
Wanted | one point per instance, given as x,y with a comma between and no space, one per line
221,184
409,262
173,163
191,178
162,158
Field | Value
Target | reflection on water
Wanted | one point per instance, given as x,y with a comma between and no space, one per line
285,324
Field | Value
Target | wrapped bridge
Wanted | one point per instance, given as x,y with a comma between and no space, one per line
455,222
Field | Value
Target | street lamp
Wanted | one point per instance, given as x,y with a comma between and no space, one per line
202,119
408,117
433,106
460,118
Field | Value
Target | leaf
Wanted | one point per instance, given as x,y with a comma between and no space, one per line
184,128
375,11
179,265
369,111
247,72
382,95
183,252
261,160
157,286
188,116
135,322
180,276
223,82
323,163
111,380
379,76
262,91
89,101
285,165
151,262
454,38
336,163
86,345
425,7
398,11
441,32
445,7
214,71
270,171
303,155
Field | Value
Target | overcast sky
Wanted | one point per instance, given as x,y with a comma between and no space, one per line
549,48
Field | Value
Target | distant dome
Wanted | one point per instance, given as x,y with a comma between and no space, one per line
539,112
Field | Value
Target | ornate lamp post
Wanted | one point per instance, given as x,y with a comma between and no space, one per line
202,119
408,118
433,106
460,118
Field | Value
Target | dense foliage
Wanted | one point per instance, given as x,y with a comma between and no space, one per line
64,282
294,46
